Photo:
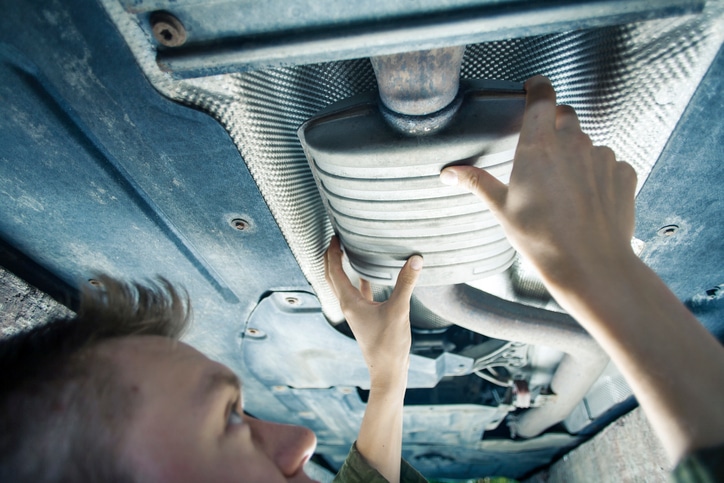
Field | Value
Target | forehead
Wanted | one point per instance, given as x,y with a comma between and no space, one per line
154,359
130,348
180,398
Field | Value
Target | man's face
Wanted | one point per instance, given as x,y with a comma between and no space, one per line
188,425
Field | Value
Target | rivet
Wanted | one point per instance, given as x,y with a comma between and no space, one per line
240,224
668,230
167,29
254,333
292,300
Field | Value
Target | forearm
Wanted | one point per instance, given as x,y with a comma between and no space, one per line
674,366
569,208
382,330
380,435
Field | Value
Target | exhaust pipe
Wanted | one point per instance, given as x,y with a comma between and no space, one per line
419,90
500,319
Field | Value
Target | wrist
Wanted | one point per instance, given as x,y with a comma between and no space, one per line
389,378
597,285
588,276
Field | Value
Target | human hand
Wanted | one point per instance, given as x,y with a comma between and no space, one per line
382,329
569,206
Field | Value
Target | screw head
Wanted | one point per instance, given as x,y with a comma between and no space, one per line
253,333
167,29
240,224
668,230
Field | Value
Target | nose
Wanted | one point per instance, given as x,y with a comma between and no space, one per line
288,446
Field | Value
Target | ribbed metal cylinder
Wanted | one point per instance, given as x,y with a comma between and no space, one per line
384,197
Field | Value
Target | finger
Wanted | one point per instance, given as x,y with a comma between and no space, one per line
627,177
566,118
326,263
366,289
406,280
343,288
477,181
539,120
333,252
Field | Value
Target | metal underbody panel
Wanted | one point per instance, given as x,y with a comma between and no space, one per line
120,156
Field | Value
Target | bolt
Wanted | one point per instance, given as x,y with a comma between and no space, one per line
255,333
668,230
292,300
167,29
240,224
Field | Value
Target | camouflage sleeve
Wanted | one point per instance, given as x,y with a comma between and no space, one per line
356,470
703,466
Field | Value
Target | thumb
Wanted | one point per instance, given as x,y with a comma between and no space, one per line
406,280
478,181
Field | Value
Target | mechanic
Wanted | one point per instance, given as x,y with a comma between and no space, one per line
112,395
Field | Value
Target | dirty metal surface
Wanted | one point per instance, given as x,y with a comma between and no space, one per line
98,171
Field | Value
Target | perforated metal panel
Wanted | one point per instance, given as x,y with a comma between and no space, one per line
629,84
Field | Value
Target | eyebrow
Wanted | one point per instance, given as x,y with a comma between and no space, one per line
217,381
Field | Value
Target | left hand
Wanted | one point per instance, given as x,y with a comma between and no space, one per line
382,329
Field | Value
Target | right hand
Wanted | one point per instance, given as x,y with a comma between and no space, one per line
569,206
382,329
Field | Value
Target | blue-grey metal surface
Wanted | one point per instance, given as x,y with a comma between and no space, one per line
316,355
230,36
686,191
100,172
629,83
315,370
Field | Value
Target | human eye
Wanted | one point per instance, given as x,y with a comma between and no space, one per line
234,417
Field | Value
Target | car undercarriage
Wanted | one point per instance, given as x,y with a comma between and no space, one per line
221,144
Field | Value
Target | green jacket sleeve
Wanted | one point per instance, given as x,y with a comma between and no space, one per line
703,466
356,470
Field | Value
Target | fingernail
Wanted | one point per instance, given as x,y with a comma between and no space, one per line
537,79
416,262
449,177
